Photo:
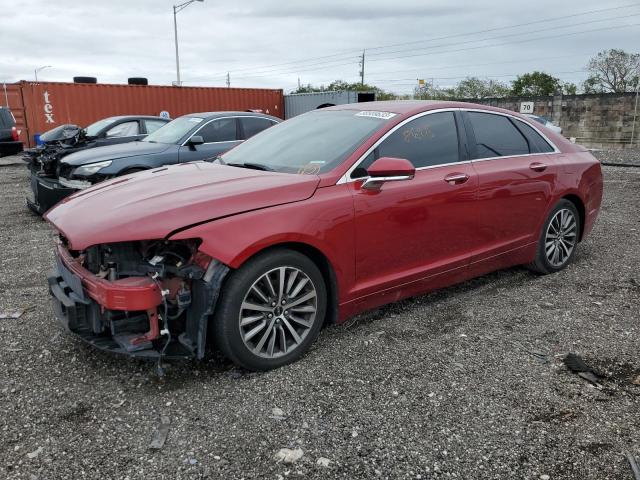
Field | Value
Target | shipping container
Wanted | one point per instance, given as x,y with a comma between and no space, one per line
41,106
298,103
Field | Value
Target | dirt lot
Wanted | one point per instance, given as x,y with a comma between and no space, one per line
463,383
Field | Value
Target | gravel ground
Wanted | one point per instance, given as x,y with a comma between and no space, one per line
462,383
626,156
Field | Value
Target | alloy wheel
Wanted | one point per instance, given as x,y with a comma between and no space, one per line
278,312
561,237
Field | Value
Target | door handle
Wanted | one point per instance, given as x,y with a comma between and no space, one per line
456,178
538,167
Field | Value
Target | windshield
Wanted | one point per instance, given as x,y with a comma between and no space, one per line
173,131
93,129
312,143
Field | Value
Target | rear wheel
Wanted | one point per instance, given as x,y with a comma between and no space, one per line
558,240
271,310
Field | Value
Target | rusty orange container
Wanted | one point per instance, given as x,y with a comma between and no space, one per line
41,106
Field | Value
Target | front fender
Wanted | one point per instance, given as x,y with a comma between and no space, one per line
324,222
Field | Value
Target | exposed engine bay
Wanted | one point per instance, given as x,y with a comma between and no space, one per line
57,143
147,298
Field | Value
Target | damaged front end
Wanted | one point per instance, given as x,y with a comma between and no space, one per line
142,298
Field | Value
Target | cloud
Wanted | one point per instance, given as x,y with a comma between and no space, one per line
270,44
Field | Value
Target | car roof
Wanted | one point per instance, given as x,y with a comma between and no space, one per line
126,117
208,115
411,107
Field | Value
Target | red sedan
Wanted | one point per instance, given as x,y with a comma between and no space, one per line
312,221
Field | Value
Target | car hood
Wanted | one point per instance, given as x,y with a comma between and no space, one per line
114,152
155,203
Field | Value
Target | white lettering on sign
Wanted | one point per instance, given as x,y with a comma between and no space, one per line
374,114
48,108
526,107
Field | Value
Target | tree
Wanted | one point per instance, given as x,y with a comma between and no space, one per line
474,87
338,85
613,71
569,88
535,84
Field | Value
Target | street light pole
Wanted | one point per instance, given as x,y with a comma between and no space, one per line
176,9
35,72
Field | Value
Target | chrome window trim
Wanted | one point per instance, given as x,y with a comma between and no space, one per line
223,118
346,178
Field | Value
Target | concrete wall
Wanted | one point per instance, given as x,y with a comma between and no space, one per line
597,121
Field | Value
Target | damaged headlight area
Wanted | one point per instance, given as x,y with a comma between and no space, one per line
147,298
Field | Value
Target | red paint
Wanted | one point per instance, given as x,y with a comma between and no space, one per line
448,224
390,167
130,294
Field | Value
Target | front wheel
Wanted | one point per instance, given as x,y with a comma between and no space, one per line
271,310
558,239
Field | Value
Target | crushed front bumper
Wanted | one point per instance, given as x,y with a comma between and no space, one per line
108,314
47,192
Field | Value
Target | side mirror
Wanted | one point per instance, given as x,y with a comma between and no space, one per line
196,140
388,169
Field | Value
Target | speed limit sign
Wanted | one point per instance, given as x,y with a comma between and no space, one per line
526,107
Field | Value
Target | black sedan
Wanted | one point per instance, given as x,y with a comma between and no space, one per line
197,136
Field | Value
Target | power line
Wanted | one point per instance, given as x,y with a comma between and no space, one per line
519,33
344,52
533,39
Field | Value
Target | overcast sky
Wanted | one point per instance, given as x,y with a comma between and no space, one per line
272,43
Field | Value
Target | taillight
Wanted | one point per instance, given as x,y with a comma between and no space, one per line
14,134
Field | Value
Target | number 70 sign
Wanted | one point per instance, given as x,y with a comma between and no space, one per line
526,107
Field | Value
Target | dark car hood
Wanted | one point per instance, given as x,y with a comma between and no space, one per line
153,204
113,152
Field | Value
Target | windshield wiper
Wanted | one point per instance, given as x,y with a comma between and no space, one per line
254,166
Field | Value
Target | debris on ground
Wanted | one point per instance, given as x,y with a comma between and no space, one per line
577,365
11,315
277,413
636,381
160,434
323,462
288,455
634,465
34,454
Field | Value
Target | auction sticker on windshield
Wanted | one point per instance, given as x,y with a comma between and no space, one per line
374,114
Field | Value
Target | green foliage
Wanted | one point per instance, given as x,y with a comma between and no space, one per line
535,84
339,85
613,71
569,88
477,88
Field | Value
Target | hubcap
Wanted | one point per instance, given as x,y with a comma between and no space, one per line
278,312
561,236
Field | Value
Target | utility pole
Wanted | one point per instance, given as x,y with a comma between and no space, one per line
228,79
176,9
299,86
635,113
362,69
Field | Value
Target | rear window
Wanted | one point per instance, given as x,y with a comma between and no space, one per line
6,118
496,136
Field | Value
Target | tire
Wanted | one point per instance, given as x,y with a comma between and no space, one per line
85,80
254,339
555,248
137,81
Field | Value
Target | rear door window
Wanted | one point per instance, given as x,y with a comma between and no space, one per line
153,125
221,130
496,136
124,129
253,125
